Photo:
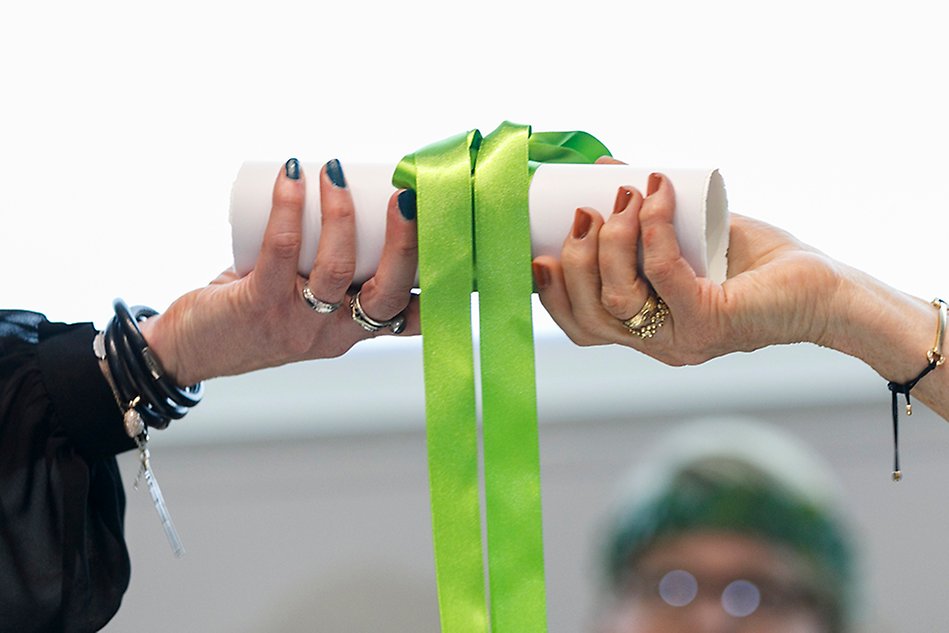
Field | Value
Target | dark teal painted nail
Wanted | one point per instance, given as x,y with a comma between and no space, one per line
293,169
335,173
407,204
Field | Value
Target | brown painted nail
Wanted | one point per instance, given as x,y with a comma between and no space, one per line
655,181
623,197
541,275
581,224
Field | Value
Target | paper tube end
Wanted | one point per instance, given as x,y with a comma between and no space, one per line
716,226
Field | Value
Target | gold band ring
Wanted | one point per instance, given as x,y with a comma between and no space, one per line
650,317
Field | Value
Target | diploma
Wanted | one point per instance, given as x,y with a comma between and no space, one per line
488,234
556,191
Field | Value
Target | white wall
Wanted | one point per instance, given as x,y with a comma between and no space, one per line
330,531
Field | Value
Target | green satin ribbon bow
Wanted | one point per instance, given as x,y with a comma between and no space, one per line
472,200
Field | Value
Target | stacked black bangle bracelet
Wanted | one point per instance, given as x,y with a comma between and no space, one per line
139,380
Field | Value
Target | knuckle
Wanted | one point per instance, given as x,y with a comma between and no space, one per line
693,350
296,346
334,352
573,258
576,339
387,306
580,339
655,211
651,236
658,270
692,358
614,301
618,233
285,245
338,211
337,274
407,250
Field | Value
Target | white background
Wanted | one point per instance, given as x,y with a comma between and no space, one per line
122,125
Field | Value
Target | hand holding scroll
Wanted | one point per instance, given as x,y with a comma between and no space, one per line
778,290
239,324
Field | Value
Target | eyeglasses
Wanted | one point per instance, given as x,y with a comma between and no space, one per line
756,597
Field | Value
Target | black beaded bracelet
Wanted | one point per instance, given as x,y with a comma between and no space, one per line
140,382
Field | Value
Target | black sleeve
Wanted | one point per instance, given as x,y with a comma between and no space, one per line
64,565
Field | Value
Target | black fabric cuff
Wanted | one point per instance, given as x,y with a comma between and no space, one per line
82,399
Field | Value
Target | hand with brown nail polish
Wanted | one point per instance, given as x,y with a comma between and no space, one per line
778,290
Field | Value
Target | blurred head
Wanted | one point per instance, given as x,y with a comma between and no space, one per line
728,527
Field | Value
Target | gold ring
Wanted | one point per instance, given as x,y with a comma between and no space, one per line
649,318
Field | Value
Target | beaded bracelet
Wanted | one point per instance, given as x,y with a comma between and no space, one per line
935,358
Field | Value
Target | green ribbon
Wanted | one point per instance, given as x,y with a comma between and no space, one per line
473,194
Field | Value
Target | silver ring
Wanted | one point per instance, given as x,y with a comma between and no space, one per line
396,324
318,305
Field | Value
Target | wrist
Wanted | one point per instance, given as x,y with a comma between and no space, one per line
802,305
888,329
194,345
162,345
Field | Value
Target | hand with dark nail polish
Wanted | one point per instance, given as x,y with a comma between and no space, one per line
213,331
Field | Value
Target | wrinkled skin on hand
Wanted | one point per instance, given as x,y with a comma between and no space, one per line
239,324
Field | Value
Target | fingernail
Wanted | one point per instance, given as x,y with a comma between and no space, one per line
407,204
335,173
655,180
293,169
541,275
581,224
622,199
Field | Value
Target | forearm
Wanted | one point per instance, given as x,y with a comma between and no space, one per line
889,330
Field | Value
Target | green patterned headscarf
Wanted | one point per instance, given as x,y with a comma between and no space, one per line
742,478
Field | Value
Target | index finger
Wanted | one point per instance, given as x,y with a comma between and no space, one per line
663,264
386,294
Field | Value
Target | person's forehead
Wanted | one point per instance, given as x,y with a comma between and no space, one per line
722,554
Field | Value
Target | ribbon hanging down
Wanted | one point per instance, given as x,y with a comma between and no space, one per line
473,223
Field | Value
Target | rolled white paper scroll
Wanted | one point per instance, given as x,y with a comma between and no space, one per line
556,190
